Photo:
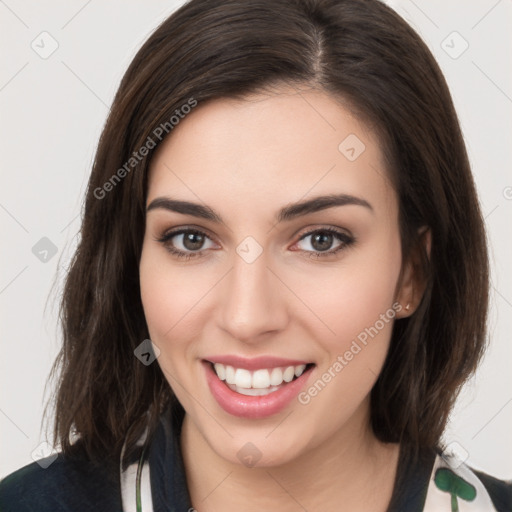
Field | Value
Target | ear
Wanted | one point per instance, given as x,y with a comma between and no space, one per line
412,283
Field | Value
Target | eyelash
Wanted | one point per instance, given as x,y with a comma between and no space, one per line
346,240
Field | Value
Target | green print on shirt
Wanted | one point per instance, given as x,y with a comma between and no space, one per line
446,480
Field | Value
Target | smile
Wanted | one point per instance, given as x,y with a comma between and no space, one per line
255,392
259,382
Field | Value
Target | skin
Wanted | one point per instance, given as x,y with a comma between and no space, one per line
246,159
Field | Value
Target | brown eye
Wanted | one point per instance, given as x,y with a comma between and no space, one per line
193,241
324,242
186,243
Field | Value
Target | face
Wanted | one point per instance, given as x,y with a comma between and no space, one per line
269,271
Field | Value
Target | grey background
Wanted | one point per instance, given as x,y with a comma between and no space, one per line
52,112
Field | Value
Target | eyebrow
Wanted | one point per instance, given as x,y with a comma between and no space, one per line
287,213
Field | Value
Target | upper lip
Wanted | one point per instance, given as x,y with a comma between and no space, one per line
255,363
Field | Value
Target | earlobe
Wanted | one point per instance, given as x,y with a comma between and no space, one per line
406,293
413,280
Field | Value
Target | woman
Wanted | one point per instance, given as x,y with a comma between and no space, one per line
282,278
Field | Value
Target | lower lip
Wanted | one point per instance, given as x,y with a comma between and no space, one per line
253,407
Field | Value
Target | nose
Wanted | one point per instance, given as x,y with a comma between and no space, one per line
251,304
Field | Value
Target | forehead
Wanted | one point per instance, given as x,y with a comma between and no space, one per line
270,148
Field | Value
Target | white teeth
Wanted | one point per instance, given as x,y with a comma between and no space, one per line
276,377
221,371
264,379
243,378
260,379
230,374
253,391
299,370
288,374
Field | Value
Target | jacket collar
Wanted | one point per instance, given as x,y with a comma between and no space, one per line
155,481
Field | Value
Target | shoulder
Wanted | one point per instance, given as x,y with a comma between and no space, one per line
500,491
453,480
64,484
435,481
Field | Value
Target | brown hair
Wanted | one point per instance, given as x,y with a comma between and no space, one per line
363,53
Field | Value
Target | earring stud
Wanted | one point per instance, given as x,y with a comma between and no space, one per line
407,307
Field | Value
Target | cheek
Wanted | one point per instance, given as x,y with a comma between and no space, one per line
350,298
175,303
165,297
165,302
358,310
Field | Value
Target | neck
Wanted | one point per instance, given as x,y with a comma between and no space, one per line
351,470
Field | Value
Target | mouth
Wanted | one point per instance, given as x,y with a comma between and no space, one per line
260,382
255,393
